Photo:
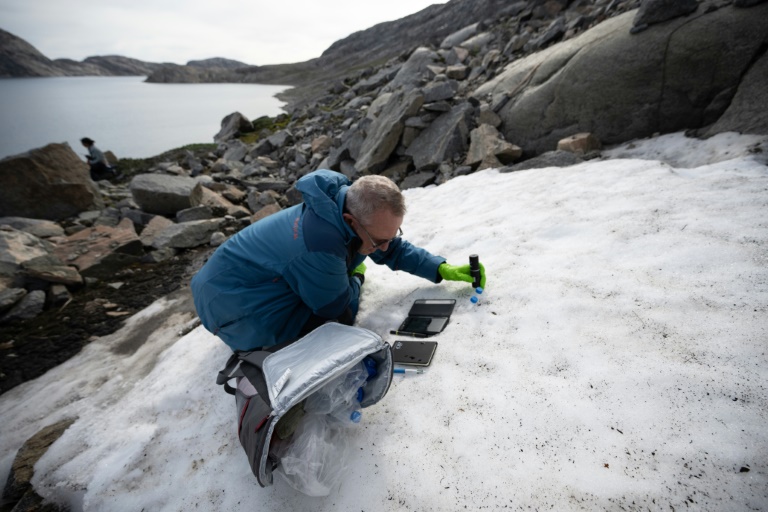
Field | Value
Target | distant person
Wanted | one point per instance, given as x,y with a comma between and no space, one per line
100,168
288,273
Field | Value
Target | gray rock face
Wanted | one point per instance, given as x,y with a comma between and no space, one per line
659,80
29,306
459,36
385,131
186,235
53,172
415,70
748,111
165,195
444,139
39,228
656,11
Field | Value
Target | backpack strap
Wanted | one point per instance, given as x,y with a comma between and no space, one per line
248,365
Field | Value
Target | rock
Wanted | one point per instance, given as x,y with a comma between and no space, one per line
747,3
18,247
488,116
280,139
398,171
445,138
478,42
29,306
257,200
663,80
385,131
201,212
580,143
38,227
377,80
10,296
236,151
53,172
457,72
165,195
439,91
217,239
485,141
266,212
458,37
419,179
153,228
49,268
58,295
232,126
186,235
219,205
656,11
23,468
548,159
554,32
321,144
747,112
415,70
101,251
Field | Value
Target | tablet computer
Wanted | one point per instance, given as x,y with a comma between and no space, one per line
427,317
417,353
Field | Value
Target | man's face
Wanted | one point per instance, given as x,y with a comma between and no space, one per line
376,235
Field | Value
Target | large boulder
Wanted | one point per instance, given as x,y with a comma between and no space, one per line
443,140
748,111
164,194
620,86
233,125
51,182
384,133
101,251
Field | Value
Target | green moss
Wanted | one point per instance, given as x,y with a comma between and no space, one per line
263,123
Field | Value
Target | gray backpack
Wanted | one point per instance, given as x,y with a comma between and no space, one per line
272,386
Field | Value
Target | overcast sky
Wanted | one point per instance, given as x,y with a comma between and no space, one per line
250,31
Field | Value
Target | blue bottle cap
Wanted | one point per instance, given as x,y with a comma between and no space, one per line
355,416
479,289
473,300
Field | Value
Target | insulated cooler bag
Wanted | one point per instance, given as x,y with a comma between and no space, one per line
270,384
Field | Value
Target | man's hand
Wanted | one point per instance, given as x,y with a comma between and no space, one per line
359,271
460,273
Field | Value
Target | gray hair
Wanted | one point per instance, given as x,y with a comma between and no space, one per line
370,194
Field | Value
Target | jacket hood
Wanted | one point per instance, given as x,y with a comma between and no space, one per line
325,191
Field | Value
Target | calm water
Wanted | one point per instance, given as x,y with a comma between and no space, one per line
122,114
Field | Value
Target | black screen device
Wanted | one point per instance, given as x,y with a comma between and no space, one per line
417,353
427,317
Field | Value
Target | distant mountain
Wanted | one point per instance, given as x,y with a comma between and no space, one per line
217,63
18,58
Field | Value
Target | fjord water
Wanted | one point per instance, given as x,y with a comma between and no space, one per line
131,118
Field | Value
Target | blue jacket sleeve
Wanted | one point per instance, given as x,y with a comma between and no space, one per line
402,255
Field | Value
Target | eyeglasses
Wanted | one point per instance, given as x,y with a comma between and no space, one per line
376,245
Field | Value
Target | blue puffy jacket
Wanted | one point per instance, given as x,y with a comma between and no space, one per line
262,285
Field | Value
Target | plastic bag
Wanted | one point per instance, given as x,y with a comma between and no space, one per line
316,458
338,393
